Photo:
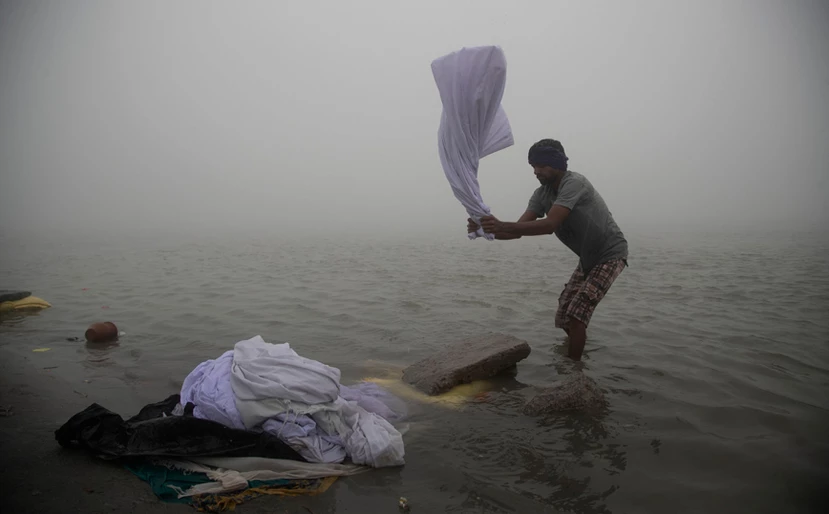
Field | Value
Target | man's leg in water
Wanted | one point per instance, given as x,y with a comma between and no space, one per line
580,309
570,291
578,336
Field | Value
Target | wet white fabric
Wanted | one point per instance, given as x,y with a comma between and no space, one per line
471,82
271,381
281,468
234,473
208,388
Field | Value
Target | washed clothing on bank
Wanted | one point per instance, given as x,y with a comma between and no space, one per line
270,387
164,429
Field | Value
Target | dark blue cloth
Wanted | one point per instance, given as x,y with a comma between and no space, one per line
546,156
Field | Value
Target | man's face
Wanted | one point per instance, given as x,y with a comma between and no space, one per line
545,174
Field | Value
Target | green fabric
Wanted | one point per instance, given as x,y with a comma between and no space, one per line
161,478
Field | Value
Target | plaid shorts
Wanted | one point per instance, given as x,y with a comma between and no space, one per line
582,294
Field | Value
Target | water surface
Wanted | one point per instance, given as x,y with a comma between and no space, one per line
711,350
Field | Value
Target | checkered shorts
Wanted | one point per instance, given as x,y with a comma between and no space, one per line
582,294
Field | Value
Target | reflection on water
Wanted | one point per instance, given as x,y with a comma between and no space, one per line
587,443
99,356
12,317
568,449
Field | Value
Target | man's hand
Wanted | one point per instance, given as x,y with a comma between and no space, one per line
471,226
491,224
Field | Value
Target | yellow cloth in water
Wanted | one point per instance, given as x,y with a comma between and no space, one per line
30,302
223,502
388,376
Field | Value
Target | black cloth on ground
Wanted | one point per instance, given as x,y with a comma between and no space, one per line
156,432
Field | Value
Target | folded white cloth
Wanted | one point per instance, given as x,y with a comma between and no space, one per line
208,388
272,382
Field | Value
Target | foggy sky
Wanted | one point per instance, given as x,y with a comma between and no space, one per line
321,117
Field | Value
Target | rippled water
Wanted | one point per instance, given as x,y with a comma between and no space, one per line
712,351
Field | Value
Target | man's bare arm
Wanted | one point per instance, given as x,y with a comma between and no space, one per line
547,225
527,216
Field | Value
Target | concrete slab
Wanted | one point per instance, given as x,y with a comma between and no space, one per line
475,358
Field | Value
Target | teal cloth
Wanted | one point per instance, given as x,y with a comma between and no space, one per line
161,478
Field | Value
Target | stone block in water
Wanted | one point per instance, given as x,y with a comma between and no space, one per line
476,358
576,392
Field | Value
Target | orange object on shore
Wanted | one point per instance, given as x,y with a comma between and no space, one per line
102,332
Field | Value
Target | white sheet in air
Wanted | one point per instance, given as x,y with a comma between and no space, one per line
473,124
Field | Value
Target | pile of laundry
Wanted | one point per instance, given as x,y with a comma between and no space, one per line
269,387
259,419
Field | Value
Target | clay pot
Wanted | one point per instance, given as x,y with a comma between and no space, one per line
101,332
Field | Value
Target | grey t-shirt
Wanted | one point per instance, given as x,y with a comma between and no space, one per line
589,229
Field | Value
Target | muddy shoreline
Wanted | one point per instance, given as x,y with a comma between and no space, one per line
37,475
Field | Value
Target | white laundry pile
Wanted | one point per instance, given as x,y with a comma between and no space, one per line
473,124
208,388
263,386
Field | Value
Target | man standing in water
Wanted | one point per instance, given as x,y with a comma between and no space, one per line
567,204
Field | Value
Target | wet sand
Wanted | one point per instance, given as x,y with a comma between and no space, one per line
40,476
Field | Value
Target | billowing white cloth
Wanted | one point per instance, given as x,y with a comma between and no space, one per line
473,124
271,381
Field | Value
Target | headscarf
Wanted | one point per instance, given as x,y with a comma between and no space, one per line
547,156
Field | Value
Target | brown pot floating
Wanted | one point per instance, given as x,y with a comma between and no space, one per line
102,332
